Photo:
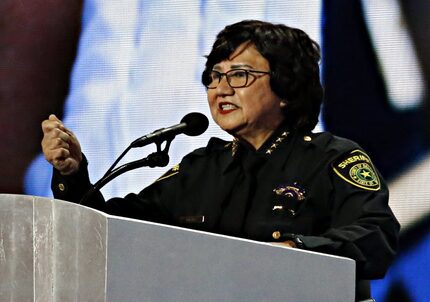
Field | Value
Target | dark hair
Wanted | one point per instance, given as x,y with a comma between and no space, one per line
293,58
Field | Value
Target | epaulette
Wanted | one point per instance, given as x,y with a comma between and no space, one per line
173,171
329,142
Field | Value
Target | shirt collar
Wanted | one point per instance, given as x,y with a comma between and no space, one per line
276,139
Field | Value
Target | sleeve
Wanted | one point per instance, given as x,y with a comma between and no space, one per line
149,204
362,227
72,187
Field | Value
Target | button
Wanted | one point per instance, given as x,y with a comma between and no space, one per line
307,138
276,235
61,187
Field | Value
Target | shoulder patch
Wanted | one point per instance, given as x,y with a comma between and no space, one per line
173,171
357,169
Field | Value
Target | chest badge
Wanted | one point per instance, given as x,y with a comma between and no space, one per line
288,198
290,191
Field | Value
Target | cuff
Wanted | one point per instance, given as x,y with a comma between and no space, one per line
71,187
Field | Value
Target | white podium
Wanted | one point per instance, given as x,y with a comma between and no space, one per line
56,251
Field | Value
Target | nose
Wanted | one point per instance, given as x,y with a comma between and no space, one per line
224,87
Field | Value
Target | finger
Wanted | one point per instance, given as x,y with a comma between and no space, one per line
69,133
56,134
50,143
58,154
60,165
73,140
63,135
54,118
54,138
69,167
48,125
57,157
55,121
58,143
284,244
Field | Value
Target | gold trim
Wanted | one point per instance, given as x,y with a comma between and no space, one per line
167,176
234,146
358,185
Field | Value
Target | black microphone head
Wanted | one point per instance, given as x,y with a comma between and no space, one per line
196,122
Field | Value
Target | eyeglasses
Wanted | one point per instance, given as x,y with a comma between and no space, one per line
236,78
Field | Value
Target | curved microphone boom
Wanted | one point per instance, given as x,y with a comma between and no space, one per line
192,124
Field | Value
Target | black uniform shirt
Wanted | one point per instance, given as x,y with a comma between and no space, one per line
319,188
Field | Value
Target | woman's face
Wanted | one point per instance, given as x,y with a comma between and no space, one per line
253,112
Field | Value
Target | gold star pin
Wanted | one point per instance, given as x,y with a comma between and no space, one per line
275,145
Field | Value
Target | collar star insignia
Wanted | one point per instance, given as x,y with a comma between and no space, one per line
234,146
278,140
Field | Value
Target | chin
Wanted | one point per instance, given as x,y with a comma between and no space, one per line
233,130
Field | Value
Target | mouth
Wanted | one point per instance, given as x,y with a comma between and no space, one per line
225,108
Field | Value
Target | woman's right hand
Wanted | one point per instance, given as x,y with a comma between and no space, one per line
60,146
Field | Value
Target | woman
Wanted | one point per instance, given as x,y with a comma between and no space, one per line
276,181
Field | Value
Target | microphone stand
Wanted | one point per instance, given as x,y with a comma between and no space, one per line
160,158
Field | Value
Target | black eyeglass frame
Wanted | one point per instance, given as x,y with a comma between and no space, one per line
246,71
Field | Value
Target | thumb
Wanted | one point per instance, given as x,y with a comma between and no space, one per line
53,117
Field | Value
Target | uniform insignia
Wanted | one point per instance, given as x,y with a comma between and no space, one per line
357,169
234,146
173,171
288,198
290,191
276,143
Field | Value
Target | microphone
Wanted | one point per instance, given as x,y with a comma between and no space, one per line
192,124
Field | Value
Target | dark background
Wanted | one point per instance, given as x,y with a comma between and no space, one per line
38,42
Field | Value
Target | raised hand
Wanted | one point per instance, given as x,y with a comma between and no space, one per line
60,146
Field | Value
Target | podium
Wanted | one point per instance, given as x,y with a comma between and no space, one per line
56,251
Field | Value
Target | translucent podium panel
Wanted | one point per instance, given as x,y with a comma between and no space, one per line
55,251
153,262
51,250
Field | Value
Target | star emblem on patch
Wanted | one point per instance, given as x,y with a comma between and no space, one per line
357,169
